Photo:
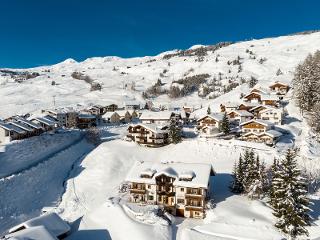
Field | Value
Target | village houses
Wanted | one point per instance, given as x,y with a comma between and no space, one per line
240,116
279,88
182,189
150,135
269,113
258,130
161,117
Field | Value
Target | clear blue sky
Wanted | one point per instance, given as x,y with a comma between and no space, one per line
39,32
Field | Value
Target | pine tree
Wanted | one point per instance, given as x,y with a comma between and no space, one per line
225,125
290,198
209,110
236,184
174,132
252,82
274,184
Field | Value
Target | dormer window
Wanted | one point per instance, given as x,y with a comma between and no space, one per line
187,176
147,173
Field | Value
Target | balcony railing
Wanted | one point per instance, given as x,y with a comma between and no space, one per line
137,191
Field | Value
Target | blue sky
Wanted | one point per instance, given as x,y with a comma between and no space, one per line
41,32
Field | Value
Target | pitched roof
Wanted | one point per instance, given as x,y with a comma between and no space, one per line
199,172
242,113
280,83
10,127
269,97
22,126
271,133
51,221
39,232
122,113
27,122
45,121
260,121
161,115
155,128
109,114
216,116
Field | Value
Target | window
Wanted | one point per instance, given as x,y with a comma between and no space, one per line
150,198
149,186
180,201
182,189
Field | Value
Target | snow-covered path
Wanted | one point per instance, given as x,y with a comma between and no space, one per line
25,154
25,194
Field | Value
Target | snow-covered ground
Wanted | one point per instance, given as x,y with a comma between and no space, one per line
24,195
20,155
89,181
114,73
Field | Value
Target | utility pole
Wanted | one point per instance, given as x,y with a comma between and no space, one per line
54,101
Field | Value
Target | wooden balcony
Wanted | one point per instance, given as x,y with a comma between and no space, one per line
193,208
138,191
194,196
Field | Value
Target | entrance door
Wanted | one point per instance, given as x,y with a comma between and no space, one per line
180,212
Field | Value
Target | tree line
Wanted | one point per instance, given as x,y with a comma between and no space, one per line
306,89
283,185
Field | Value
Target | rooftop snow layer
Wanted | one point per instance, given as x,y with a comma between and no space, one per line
199,172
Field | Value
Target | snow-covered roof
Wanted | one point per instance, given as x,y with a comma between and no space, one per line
273,133
45,121
109,114
29,123
122,113
249,104
161,115
252,93
51,221
131,103
86,116
199,173
278,82
33,233
216,116
242,113
155,128
259,121
259,89
231,104
22,126
270,97
271,109
10,127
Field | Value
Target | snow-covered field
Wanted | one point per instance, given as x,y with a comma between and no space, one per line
20,155
84,183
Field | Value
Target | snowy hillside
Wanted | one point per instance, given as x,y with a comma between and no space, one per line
83,182
258,58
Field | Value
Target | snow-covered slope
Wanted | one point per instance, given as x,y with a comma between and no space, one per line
115,73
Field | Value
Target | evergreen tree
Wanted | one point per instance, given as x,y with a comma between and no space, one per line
289,200
236,185
209,110
174,132
252,82
225,125
274,184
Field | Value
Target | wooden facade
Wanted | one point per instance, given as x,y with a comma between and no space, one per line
144,135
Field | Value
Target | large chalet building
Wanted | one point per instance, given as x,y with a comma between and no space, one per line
279,88
180,188
150,135
257,130
160,117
